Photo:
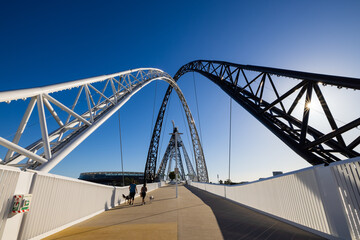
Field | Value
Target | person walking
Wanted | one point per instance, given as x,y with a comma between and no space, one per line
143,193
133,191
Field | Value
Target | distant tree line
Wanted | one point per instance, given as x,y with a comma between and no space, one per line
229,182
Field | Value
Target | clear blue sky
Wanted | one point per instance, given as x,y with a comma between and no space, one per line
47,42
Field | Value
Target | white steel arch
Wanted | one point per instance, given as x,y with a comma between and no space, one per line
53,147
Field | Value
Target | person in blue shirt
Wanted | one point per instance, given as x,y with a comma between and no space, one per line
133,191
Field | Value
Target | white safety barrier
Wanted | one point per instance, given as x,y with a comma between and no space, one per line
324,200
8,180
57,202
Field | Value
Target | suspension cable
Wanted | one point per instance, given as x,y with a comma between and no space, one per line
230,138
188,137
197,107
163,132
152,120
121,152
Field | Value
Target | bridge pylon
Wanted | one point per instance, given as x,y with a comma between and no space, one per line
170,156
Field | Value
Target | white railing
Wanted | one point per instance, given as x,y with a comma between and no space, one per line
348,182
57,202
323,200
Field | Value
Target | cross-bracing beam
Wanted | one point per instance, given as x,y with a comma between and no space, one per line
169,156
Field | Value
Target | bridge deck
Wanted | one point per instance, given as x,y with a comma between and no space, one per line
194,215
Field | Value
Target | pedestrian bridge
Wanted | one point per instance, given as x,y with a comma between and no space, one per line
313,203
320,201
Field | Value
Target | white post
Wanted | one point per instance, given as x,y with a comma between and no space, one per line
44,131
87,91
14,222
176,163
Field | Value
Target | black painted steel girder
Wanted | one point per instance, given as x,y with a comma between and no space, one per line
170,154
150,166
181,165
307,141
311,144
161,171
190,169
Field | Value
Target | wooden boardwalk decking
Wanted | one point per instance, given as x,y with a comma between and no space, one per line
195,214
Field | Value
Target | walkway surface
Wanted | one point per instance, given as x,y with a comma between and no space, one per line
195,214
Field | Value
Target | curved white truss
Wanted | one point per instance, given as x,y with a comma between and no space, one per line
52,147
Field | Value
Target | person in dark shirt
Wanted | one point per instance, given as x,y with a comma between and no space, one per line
133,191
143,193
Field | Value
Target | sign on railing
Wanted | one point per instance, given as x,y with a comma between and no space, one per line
21,203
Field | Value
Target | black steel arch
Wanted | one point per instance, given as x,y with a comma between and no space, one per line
150,166
308,142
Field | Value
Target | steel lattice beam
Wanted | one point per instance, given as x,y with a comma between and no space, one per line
150,167
314,146
170,154
161,171
190,169
104,95
237,81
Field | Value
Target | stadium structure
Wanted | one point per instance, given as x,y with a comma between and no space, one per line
113,178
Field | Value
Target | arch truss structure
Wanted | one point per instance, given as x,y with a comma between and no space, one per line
95,100
257,89
283,107
169,157
150,174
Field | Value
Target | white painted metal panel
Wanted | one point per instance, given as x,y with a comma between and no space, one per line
348,180
296,197
8,181
58,201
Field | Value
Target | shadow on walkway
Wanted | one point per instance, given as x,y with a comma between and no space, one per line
237,222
